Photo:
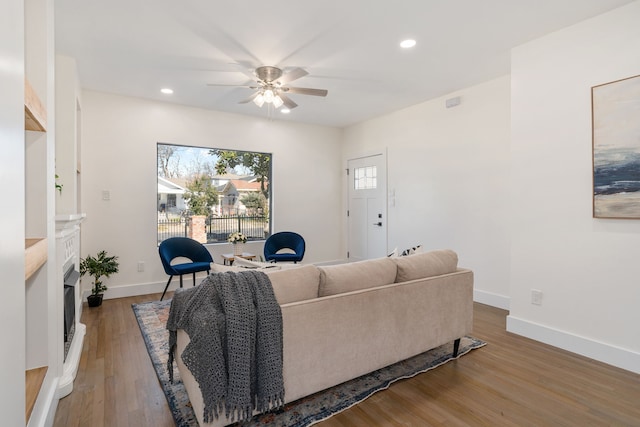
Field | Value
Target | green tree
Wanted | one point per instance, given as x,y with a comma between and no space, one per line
201,195
255,203
259,164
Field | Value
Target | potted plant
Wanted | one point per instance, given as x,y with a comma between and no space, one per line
101,265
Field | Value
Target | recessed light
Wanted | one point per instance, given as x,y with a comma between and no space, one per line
166,91
406,44
285,110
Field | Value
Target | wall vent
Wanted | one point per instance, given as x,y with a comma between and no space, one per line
452,102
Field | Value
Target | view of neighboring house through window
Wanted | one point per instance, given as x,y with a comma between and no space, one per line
226,190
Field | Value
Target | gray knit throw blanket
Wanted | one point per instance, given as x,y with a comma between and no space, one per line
235,326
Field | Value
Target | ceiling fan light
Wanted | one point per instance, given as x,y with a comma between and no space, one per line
259,100
268,96
277,102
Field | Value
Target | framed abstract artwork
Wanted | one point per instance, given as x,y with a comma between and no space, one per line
615,108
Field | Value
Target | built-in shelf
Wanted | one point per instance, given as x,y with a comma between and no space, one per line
35,115
35,255
33,382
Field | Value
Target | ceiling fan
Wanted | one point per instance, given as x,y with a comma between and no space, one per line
272,87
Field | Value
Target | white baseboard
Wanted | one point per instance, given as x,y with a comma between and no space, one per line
148,288
612,355
44,411
483,297
489,298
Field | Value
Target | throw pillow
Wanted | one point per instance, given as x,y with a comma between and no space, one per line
413,250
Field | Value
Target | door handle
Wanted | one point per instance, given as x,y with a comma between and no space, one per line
379,224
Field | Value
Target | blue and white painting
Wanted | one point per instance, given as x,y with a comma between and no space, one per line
616,149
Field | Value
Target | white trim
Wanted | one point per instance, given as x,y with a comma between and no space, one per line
489,298
48,402
483,297
70,366
612,355
147,288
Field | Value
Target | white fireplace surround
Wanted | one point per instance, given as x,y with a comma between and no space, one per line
67,254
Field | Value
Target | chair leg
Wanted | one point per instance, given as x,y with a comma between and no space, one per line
194,278
181,280
166,287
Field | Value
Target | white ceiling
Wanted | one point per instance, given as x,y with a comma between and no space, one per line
350,47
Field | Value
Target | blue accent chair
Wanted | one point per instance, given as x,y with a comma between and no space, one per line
183,247
284,240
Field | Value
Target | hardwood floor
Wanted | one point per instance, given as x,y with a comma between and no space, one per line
513,381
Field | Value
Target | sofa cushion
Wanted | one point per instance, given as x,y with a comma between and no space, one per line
337,279
427,264
294,284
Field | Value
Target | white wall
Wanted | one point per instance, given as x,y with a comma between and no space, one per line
12,204
449,168
587,268
118,154
67,118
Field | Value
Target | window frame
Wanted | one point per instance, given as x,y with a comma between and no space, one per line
174,220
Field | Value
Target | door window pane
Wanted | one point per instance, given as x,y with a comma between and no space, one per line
365,178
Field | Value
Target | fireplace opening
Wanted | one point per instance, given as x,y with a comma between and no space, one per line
71,277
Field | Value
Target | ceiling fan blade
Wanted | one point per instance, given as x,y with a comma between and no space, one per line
288,102
292,75
229,85
307,91
250,74
249,99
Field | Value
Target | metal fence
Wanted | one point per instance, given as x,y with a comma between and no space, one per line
167,228
217,228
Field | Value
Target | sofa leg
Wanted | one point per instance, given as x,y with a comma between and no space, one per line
456,347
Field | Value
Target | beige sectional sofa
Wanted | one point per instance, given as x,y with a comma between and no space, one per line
343,321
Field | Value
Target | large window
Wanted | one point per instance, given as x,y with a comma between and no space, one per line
226,190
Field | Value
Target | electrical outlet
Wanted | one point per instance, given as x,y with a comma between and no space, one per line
106,195
536,297
140,266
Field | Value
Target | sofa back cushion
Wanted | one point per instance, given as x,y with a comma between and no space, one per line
294,284
337,279
427,264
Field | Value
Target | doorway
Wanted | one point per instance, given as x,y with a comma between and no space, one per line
367,207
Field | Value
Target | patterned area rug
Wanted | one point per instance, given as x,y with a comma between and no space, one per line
152,318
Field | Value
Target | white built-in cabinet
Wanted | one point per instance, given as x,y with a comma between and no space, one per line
51,239
40,311
34,374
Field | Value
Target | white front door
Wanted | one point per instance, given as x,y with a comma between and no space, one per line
367,213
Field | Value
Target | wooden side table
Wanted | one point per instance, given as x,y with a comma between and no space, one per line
228,259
